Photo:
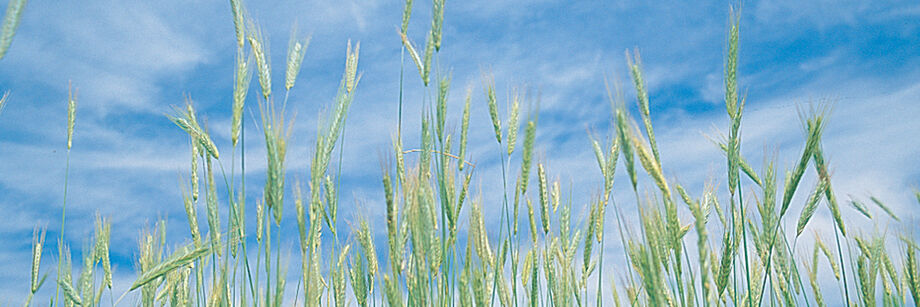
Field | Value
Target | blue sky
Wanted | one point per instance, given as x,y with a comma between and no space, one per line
133,60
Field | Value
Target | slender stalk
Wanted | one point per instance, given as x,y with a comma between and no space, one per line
747,267
600,298
504,220
61,239
843,271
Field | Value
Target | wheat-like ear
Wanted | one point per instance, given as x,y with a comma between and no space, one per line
731,65
489,85
196,152
427,57
885,208
301,218
181,257
10,23
626,144
351,66
70,293
407,12
277,134
441,109
725,265
544,198
859,206
437,22
191,212
236,8
38,242
212,210
359,282
810,207
590,234
71,114
464,128
338,278
366,240
910,269
393,290
635,69
745,167
599,155
648,162
101,250
414,55
812,270
188,122
513,122
3,100
263,58
828,255
240,90
260,220
814,126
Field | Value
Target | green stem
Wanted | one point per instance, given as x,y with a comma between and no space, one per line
747,267
846,291
501,221
61,240
600,272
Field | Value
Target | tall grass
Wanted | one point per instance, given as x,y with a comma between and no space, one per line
439,250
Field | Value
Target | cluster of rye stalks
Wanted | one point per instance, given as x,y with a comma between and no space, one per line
742,257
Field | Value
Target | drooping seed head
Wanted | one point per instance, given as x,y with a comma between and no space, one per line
810,207
263,59
635,69
885,208
414,55
599,155
188,122
297,47
179,258
828,255
859,206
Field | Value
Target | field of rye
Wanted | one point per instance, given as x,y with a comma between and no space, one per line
681,247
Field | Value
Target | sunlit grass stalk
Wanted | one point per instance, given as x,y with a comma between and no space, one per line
71,116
